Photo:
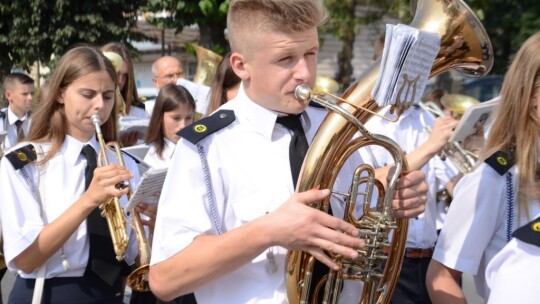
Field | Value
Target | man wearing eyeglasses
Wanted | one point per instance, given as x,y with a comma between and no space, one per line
168,69
165,70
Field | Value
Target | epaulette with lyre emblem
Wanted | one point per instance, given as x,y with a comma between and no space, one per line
529,233
501,161
200,129
22,156
144,99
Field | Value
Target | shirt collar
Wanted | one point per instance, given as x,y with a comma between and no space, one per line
12,118
72,148
260,118
169,147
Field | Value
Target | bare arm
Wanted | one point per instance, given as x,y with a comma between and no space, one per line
294,226
440,134
443,284
56,233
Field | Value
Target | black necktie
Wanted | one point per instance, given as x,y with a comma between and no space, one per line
298,146
101,260
20,133
297,152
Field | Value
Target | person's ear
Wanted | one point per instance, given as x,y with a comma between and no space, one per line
8,95
60,99
238,66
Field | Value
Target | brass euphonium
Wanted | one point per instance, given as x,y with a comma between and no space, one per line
207,63
116,219
465,47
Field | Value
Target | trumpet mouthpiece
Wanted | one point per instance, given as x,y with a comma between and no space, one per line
302,92
96,119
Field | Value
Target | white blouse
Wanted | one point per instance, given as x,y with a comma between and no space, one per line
63,183
157,162
479,221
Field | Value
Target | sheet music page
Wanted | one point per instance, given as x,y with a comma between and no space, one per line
128,124
149,188
477,114
405,66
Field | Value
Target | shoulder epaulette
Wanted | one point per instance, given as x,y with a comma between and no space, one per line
22,156
146,98
138,103
198,130
501,161
529,233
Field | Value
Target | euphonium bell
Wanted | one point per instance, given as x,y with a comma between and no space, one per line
457,104
117,63
465,47
207,63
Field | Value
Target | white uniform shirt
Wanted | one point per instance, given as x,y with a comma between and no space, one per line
22,220
512,274
476,225
249,165
409,134
138,112
154,160
7,124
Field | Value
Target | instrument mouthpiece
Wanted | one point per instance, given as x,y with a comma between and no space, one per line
302,92
96,119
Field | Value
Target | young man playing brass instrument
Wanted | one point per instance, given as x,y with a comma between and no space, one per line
224,235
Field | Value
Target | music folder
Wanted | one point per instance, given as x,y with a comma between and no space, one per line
149,188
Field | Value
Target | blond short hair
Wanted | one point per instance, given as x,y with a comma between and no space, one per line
286,16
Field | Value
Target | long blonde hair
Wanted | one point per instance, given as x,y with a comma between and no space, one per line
49,122
516,125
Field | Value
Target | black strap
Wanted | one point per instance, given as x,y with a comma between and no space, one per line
298,146
102,259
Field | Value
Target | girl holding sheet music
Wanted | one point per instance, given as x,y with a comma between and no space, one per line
174,109
502,193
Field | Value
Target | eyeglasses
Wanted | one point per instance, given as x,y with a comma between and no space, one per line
174,76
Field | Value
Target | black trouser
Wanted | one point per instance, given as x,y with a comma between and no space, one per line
88,289
411,285
2,272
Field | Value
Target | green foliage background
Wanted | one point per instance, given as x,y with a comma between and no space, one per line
42,30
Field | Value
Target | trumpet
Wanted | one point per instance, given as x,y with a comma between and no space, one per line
463,159
116,219
114,213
